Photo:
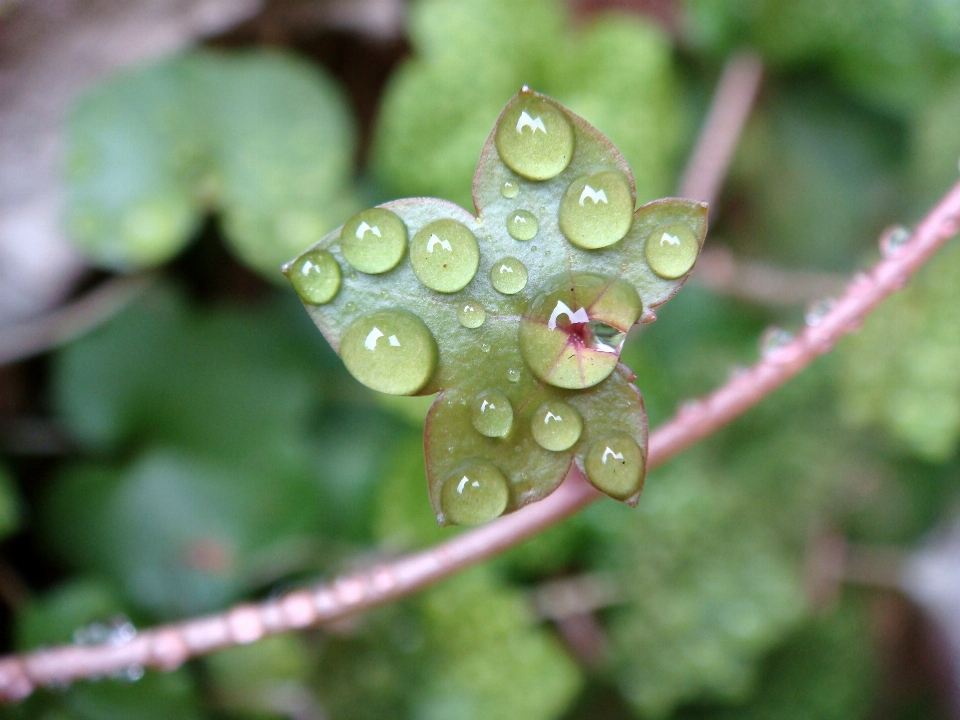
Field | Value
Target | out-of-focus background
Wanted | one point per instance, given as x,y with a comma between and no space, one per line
176,436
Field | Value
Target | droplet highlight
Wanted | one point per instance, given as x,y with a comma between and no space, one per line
508,276
471,315
474,493
774,339
522,225
535,138
492,414
316,277
509,189
671,251
615,466
374,241
445,255
556,426
893,239
513,375
391,351
596,210
817,311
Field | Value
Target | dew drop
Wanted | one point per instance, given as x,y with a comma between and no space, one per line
773,339
818,311
474,493
556,426
484,347
350,307
615,466
471,314
893,239
508,276
672,250
391,351
492,414
596,210
509,189
315,276
513,375
445,255
522,225
374,241
535,138
571,334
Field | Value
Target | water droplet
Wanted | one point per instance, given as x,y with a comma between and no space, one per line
615,466
475,493
522,225
315,276
132,673
484,347
350,307
596,210
374,241
509,189
492,414
513,375
117,631
893,239
773,339
391,351
571,334
556,426
535,138
445,255
508,276
672,250
817,311
471,314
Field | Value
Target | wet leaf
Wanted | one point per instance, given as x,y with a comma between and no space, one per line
553,312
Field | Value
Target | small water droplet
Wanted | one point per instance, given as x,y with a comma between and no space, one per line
615,466
892,239
384,294
508,276
535,138
484,347
672,250
315,276
689,407
773,339
132,673
492,414
471,314
350,307
391,351
374,241
596,210
513,375
522,225
738,371
474,493
445,255
116,631
509,189
817,311
556,426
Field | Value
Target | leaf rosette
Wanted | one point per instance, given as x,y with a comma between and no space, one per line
516,316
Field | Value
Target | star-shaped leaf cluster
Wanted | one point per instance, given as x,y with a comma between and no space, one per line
516,316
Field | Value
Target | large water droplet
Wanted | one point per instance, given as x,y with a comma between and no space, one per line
315,276
509,189
445,255
522,225
535,138
475,493
596,210
391,351
615,466
571,334
556,426
508,276
374,241
471,314
492,414
672,250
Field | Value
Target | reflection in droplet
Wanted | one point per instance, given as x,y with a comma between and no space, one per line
492,414
374,241
391,351
445,255
596,210
522,225
509,189
615,466
513,375
471,314
672,250
817,311
315,276
893,239
534,138
773,339
474,493
556,425
508,276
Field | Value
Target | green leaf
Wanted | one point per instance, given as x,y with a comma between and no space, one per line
527,326
262,138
